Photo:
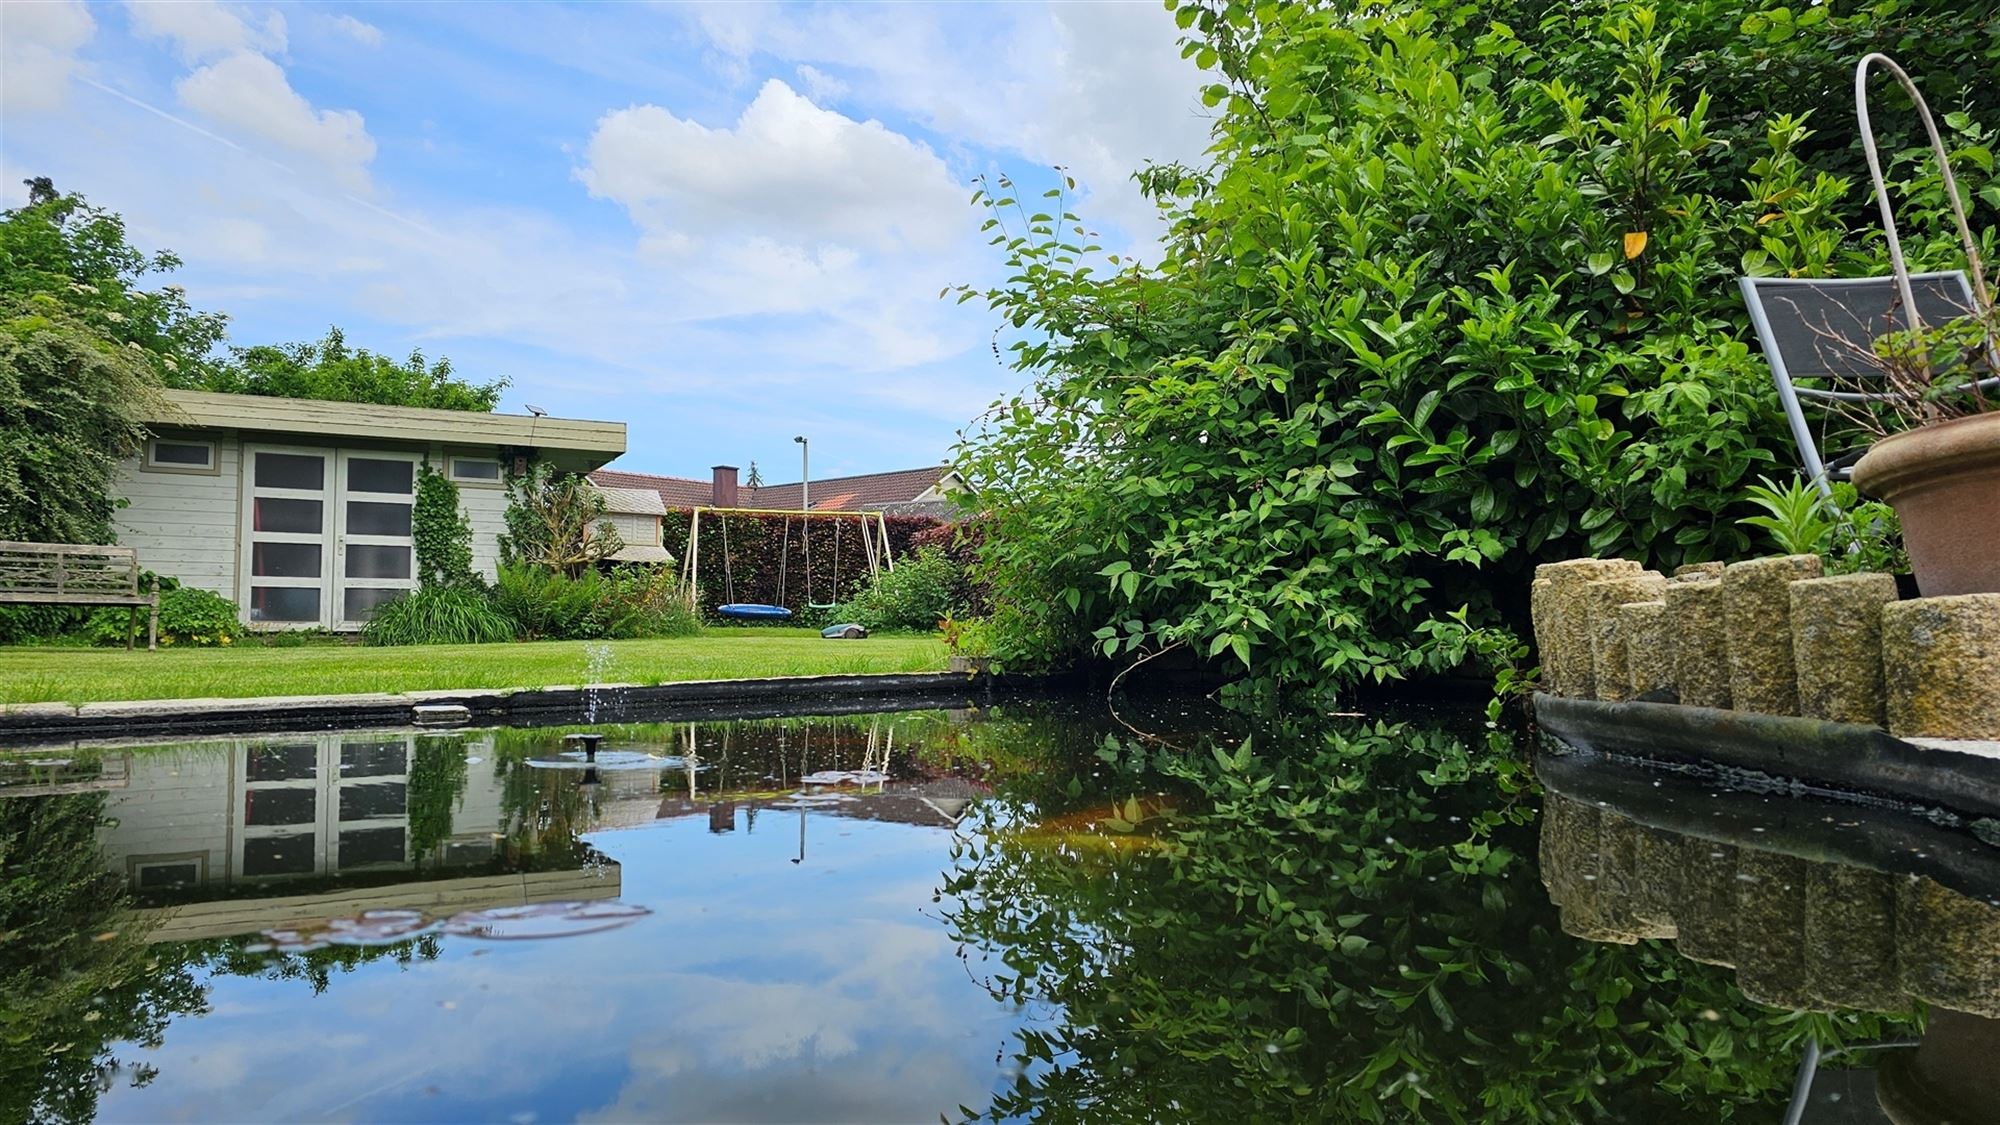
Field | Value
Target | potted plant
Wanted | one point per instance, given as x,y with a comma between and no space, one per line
1941,473
971,645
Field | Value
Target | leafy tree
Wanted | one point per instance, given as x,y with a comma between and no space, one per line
556,522
74,976
71,407
62,248
1456,296
328,369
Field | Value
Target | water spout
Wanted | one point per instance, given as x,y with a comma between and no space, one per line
585,742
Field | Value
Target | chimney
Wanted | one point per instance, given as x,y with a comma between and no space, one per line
722,492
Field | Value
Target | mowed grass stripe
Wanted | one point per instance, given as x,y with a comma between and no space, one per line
86,675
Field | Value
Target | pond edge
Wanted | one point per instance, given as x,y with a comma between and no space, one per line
609,703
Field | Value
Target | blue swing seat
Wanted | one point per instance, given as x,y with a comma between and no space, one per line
753,611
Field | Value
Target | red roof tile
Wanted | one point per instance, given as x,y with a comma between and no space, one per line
675,492
849,494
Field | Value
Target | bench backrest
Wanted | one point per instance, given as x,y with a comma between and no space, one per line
67,569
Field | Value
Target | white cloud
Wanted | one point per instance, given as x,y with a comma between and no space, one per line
821,86
38,45
1097,88
249,94
788,170
366,34
203,29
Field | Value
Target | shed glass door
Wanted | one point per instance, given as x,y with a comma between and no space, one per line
285,534
377,557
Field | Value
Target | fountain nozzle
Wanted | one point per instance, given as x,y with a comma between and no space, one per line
586,742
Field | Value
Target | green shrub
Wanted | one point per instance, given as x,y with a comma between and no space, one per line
628,602
441,531
188,616
1457,295
438,615
919,593
647,602
546,604
27,624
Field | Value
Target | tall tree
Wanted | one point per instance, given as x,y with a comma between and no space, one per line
329,369
61,250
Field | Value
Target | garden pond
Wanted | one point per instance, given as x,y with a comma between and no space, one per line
1022,911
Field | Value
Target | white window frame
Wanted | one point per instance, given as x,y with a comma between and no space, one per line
325,537
498,480
343,538
153,464
137,864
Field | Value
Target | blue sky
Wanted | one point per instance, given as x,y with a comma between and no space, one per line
722,224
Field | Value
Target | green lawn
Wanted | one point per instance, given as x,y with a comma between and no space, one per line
83,675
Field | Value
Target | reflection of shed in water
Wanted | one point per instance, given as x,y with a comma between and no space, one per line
231,836
1816,905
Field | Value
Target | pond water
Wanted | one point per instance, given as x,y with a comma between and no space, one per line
1018,912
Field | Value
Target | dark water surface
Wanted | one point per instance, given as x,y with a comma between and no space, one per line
1021,912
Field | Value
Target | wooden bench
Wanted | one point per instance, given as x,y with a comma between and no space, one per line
79,574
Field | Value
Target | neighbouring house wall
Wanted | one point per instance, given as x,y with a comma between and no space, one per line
636,530
185,524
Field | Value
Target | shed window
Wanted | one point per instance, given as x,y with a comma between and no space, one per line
180,456
477,469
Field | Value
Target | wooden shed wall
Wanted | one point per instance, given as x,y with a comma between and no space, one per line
185,524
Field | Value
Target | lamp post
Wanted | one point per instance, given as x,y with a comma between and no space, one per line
805,473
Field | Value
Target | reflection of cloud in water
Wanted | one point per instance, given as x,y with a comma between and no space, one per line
757,991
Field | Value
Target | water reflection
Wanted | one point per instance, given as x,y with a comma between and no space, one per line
1818,907
1015,913
356,854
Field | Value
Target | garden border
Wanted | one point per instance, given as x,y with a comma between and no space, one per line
1845,760
768,697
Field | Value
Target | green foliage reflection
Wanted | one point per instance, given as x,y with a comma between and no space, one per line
1349,931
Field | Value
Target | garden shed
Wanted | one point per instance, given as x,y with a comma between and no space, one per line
299,510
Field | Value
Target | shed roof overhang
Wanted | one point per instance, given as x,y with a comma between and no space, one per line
572,442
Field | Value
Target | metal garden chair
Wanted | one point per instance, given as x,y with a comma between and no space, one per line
1822,331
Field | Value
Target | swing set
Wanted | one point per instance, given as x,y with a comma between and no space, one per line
873,528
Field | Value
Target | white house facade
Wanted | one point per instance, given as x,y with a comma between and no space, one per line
299,511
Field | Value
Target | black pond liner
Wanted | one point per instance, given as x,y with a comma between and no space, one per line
1838,760
1771,815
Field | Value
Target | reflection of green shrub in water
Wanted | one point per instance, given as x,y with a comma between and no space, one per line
73,975
437,777
1352,932
77,976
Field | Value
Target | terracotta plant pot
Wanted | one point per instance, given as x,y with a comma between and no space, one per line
1944,482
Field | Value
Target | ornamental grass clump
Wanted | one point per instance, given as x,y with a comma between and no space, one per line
438,615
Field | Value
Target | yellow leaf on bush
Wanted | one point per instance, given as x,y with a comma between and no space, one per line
1635,244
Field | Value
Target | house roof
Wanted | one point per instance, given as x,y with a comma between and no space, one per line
630,501
596,442
865,492
674,492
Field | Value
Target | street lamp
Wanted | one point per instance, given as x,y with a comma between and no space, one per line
805,473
